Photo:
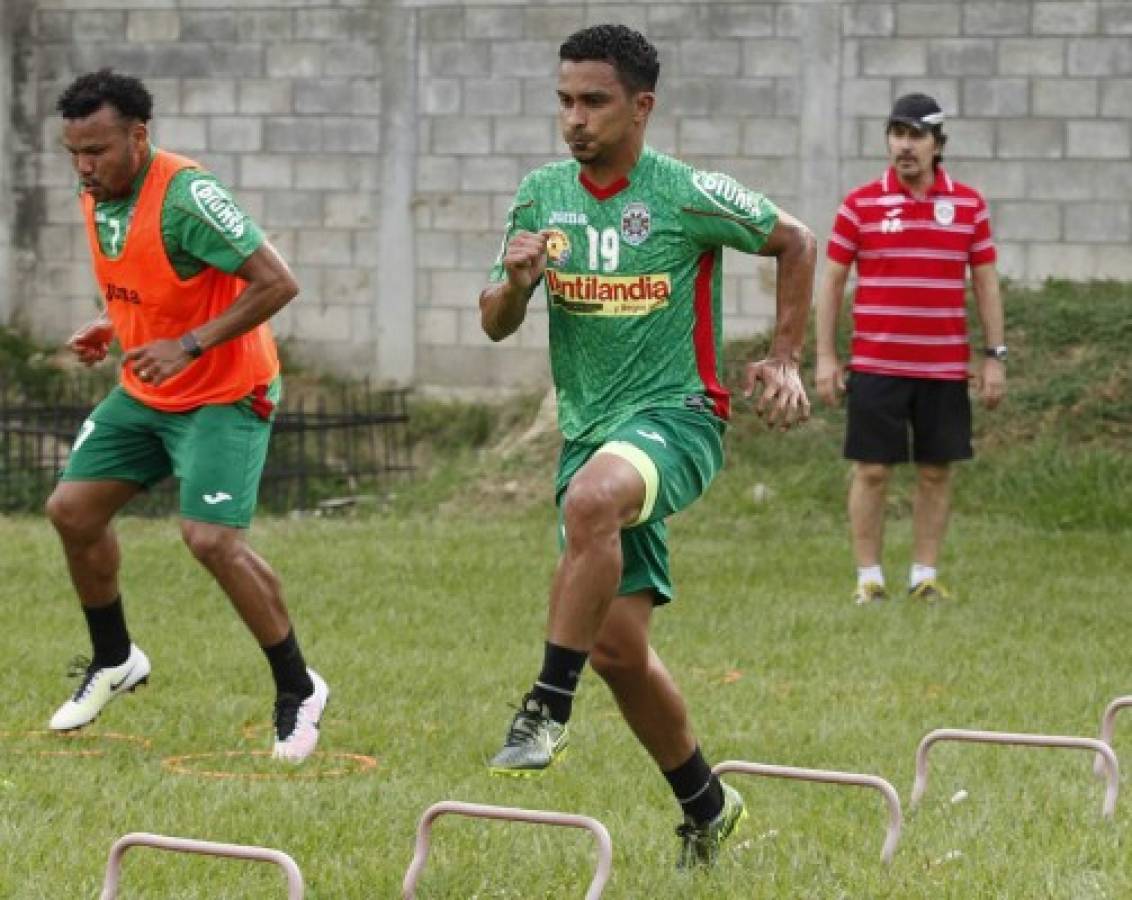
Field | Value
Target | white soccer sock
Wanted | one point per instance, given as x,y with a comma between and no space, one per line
870,574
920,574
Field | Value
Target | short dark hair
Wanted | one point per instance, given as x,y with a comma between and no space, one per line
89,93
628,51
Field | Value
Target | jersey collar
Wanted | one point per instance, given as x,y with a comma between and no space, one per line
942,185
614,188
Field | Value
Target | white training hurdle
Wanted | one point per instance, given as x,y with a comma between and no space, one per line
1112,768
295,888
826,776
1108,729
511,814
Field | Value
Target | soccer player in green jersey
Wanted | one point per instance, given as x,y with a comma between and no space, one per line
189,282
628,244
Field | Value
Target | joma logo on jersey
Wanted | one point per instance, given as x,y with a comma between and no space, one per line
123,294
719,187
560,217
609,295
218,207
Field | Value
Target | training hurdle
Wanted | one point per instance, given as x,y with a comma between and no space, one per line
1108,729
1112,768
295,888
826,776
512,814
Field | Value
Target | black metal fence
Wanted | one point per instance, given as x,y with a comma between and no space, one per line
330,447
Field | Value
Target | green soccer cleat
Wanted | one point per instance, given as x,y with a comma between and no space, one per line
929,591
701,843
533,742
869,592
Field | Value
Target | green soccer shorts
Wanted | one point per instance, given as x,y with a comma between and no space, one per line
216,452
677,452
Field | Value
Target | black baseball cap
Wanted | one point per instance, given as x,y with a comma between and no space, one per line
918,110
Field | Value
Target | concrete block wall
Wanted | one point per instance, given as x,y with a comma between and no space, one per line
1040,100
380,141
282,101
9,16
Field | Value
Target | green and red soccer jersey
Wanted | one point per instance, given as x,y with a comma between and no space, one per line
633,284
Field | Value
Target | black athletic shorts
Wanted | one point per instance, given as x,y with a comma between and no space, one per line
885,410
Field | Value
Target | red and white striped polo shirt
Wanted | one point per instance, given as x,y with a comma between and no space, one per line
912,253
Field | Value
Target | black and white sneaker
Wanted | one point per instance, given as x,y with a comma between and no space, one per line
297,720
98,687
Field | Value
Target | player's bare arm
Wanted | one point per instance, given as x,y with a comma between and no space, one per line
91,343
829,379
270,287
503,305
988,302
783,402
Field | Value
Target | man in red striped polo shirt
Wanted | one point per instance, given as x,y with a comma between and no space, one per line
912,233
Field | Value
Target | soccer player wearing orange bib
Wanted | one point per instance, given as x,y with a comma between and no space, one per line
189,283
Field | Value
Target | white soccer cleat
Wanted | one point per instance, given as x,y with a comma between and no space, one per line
99,687
296,722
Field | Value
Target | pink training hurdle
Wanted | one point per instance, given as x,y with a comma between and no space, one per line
1112,768
295,888
825,776
532,816
1108,728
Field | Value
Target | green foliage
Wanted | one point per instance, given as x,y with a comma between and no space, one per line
1069,374
31,370
1054,484
24,364
1063,315
449,426
455,426
18,353
1053,455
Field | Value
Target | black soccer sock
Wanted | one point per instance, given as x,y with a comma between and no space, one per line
288,667
697,790
108,634
558,680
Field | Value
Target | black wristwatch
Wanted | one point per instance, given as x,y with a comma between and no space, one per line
998,352
191,345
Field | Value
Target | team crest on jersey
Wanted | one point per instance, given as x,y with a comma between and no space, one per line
558,246
636,223
944,212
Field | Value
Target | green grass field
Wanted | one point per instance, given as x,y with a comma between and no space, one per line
426,621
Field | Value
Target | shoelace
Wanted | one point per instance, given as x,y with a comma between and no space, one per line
692,836
286,715
81,667
690,832
525,725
